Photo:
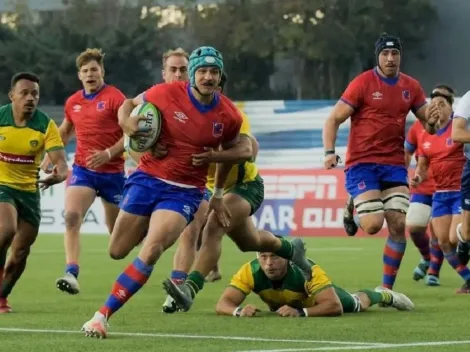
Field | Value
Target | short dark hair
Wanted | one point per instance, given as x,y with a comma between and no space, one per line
24,75
449,97
446,87
223,81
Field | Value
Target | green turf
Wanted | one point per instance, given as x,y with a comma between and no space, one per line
353,263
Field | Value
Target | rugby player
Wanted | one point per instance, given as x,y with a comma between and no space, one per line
418,216
25,134
98,169
378,102
281,285
446,160
461,134
167,192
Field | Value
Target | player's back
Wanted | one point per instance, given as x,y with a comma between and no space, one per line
381,106
94,117
21,148
188,127
445,156
413,139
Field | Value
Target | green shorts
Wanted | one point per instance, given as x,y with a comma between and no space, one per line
252,192
27,204
350,303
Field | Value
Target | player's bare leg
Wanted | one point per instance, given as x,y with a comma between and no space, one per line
164,229
111,212
437,258
185,254
8,229
247,238
78,200
16,263
370,210
349,223
463,234
396,204
445,230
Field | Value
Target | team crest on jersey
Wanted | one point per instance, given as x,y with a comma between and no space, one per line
34,143
217,129
406,95
449,142
100,106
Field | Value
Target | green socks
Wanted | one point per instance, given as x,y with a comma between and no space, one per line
195,281
286,251
384,297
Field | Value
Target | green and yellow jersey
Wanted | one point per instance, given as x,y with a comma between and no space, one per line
240,173
22,148
293,290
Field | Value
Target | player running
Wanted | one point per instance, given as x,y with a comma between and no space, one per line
419,213
25,134
169,190
281,285
446,160
461,134
378,102
98,169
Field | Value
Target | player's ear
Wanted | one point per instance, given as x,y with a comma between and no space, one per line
10,95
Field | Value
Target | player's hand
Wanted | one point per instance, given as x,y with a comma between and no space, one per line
249,311
433,114
46,165
416,180
97,159
53,179
204,158
331,161
286,311
159,151
130,126
221,211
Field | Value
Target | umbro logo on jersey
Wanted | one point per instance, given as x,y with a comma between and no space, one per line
427,145
180,116
77,108
377,96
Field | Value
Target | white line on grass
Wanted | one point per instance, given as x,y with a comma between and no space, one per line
204,337
368,346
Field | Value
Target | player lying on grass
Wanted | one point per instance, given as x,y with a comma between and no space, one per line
281,285
25,134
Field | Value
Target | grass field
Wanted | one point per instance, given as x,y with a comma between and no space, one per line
45,319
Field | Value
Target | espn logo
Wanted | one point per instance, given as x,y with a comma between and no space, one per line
300,187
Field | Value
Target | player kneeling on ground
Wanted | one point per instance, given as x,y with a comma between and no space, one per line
281,285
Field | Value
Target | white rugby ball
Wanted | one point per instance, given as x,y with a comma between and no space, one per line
153,121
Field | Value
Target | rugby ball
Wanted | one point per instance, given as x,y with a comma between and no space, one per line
153,121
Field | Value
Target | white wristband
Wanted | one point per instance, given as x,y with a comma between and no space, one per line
218,193
305,312
109,153
237,311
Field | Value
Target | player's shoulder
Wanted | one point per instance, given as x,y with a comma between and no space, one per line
6,115
40,121
226,105
113,92
364,77
74,99
411,81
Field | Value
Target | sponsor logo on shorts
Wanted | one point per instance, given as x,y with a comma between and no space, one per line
186,209
361,185
467,201
16,159
117,198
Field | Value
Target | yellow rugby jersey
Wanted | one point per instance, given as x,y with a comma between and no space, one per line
240,173
22,148
292,290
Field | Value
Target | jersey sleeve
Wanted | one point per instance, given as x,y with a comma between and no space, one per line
463,107
243,280
319,281
234,126
419,98
157,95
52,140
411,141
246,127
354,93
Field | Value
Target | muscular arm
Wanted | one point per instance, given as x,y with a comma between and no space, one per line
57,158
66,131
422,167
117,148
239,153
421,114
327,304
223,168
126,108
459,130
408,157
230,300
340,113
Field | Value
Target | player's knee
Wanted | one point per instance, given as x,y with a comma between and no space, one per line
118,252
19,255
372,224
72,219
371,214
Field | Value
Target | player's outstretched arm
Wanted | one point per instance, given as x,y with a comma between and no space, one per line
239,153
230,301
66,130
340,113
421,172
59,170
327,304
429,115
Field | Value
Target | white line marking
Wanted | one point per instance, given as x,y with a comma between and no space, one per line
209,337
337,249
368,346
